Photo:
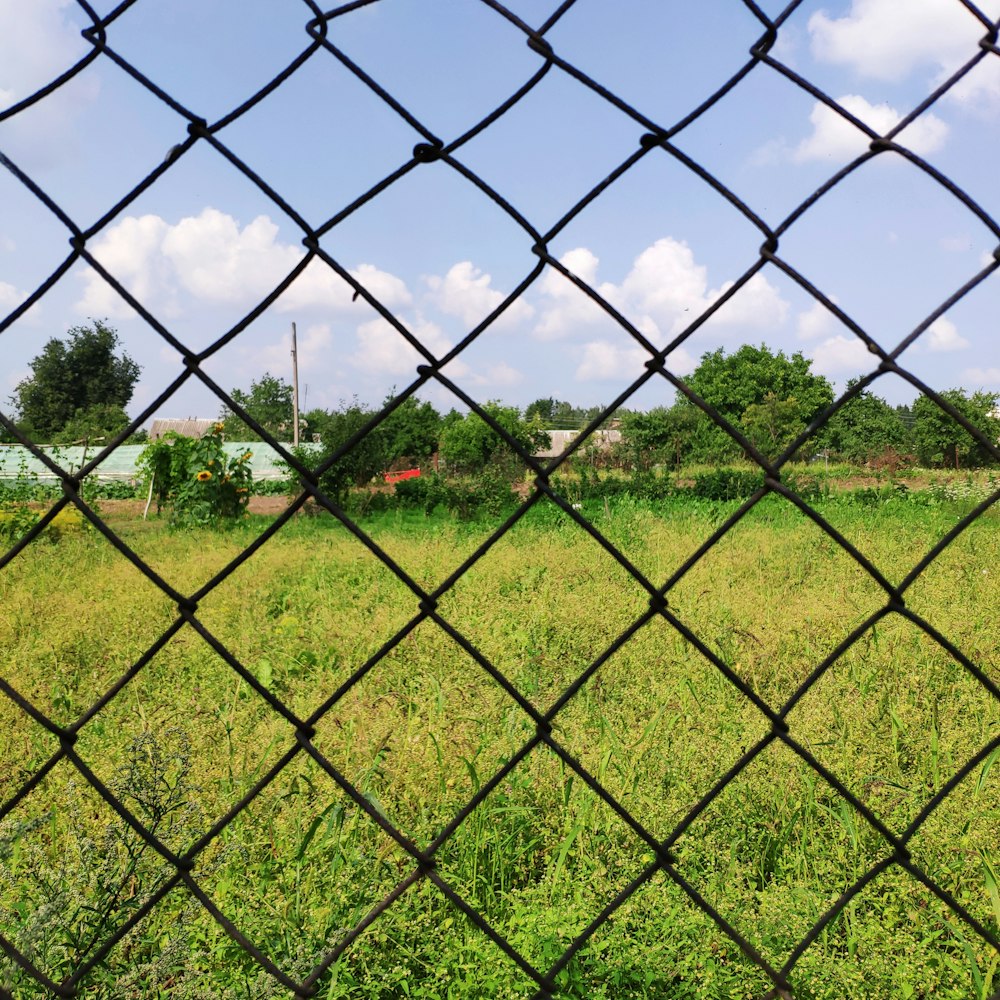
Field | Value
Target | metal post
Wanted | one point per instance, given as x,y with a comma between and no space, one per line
295,391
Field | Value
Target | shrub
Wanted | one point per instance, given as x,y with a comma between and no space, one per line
195,476
727,484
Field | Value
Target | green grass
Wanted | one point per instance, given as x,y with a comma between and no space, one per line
426,727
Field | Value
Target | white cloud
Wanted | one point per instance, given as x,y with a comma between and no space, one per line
38,42
979,89
216,261
664,283
886,40
567,308
841,354
881,39
312,344
816,321
500,374
981,376
663,292
603,360
835,138
10,297
466,292
209,259
319,286
942,335
383,350
757,304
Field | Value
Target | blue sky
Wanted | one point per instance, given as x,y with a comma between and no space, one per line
203,245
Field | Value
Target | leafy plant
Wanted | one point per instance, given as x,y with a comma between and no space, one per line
197,478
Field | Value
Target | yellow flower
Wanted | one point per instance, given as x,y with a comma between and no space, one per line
204,476
218,428
247,457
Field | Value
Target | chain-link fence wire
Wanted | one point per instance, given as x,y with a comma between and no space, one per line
653,139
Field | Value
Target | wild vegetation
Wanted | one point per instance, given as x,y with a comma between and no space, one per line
425,727
415,714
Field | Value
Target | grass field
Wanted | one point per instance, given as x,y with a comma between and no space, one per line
426,727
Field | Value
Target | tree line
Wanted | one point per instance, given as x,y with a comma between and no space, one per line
79,387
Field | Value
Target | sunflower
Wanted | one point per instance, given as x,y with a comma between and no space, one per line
204,476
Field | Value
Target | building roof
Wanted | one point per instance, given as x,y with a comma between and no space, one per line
195,427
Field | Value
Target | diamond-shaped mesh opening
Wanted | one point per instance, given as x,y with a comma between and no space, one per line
218,754
646,725
895,718
424,942
540,645
74,872
317,862
405,735
749,853
63,659
573,853
301,626
771,628
661,734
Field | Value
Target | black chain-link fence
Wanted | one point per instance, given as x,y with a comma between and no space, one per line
653,139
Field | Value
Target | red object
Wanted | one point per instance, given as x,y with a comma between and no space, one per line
395,477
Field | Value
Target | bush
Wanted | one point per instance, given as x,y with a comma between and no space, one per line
196,477
727,484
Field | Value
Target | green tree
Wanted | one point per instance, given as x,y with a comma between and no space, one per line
269,402
470,444
365,460
412,431
865,428
99,422
784,394
558,414
772,424
941,440
81,380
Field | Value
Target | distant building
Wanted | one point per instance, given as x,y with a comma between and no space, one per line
601,440
194,427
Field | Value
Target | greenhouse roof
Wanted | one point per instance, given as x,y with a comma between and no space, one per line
17,462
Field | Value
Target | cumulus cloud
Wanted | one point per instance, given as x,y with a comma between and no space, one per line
499,375
942,335
467,292
981,376
10,297
313,345
835,138
39,41
565,307
841,355
210,259
604,360
815,322
876,39
663,292
382,349
880,40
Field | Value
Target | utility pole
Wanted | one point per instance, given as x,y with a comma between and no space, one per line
295,391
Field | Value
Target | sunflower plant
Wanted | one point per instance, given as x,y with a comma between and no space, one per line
197,479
